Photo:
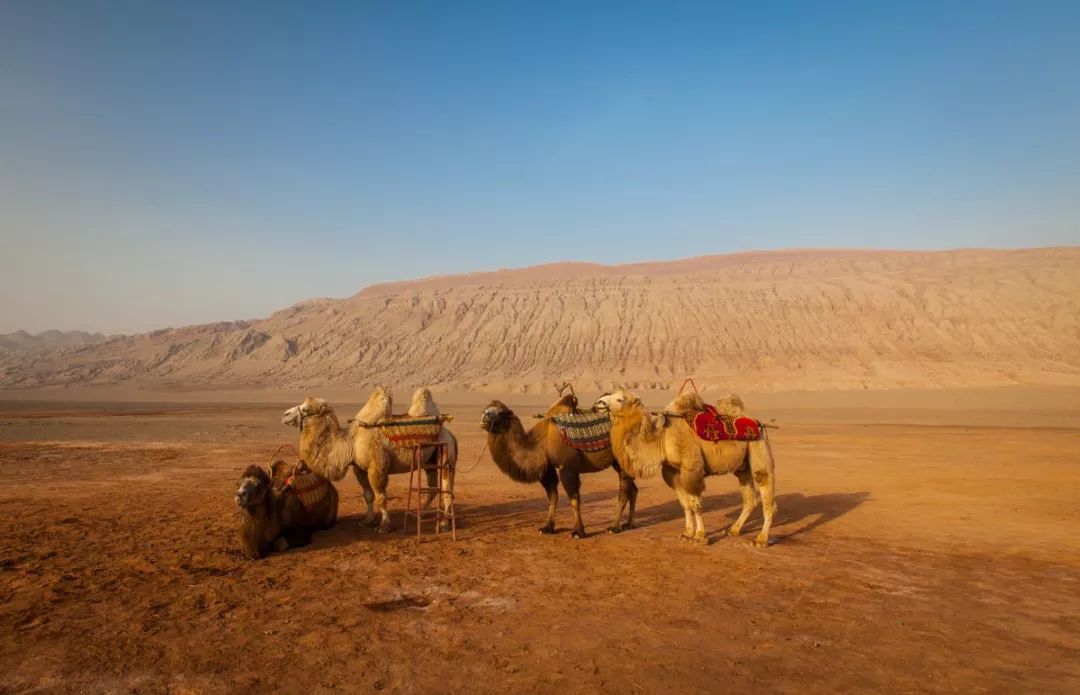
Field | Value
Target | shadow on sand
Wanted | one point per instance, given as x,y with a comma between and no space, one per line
599,512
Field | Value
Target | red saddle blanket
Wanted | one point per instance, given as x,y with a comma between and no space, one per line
714,427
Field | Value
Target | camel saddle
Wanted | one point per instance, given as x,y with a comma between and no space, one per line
406,432
712,426
584,431
310,487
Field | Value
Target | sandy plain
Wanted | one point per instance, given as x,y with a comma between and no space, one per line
926,542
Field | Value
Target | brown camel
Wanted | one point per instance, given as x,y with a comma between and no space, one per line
309,498
273,520
331,450
667,444
541,455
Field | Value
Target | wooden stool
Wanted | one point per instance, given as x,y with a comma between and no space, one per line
444,511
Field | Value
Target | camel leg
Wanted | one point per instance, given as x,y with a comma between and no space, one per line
749,499
693,487
671,477
571,482
446,487
378,482
688,524
699,523
764,473
432,477
627,494
550,481
369,495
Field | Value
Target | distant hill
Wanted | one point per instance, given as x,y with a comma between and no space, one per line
47,340
813,319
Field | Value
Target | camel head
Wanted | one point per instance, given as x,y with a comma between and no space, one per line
617,401
295,416
496,418
253,488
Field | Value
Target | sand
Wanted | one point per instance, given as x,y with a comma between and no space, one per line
925,542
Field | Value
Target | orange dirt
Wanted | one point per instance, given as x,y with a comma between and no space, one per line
907,558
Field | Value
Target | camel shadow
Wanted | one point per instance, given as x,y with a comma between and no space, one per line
824,508
527,514
792,509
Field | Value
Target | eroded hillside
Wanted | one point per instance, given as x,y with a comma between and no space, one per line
764,321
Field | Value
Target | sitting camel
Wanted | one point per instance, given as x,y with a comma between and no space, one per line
276,520
541,455
313,500
645,446
331,449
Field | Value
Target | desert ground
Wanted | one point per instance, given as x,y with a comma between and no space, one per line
920,546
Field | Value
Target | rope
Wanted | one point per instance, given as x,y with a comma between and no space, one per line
691,382
278,451
482,452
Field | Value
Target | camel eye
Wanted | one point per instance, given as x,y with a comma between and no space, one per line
620,400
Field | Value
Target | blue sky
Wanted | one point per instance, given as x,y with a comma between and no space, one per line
172,163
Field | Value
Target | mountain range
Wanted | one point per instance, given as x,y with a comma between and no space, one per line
767,321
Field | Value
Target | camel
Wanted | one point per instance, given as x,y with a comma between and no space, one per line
331,450
301,481
541,455
645,446
276,520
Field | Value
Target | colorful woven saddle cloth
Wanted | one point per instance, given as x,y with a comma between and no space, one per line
405,432
714,427
589,431
310,488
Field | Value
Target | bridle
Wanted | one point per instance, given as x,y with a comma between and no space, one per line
496,421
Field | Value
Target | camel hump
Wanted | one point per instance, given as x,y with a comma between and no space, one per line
732,406
686,403
566,404
423,404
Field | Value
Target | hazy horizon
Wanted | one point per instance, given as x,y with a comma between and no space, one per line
167,165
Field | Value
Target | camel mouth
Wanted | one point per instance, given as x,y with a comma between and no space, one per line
291,417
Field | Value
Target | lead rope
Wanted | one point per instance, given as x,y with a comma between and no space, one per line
482,452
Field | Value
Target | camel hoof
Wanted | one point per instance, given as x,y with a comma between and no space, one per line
760,542
577,534
384,529
685,537
614,529
547,530
700,540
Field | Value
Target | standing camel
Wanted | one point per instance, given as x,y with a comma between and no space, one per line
331,450
541,455
668,445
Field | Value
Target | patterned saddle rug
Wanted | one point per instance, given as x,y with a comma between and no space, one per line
406,432
310,488
590,431
714,427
